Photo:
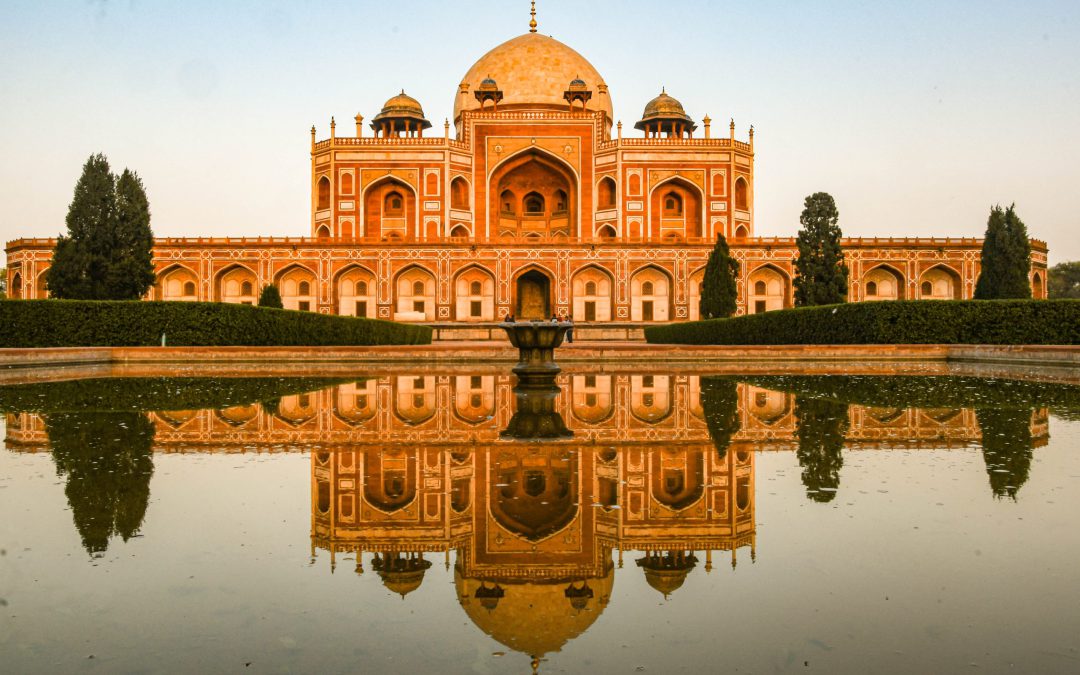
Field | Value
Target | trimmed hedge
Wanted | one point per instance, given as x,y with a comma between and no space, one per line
141,394
995,322
83,323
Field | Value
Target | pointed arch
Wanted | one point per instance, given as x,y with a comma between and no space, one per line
474,294
676,206
693,282
651,294
460,231
592,293
474,398
460,194
354,291
322,193
17,285
593,398
390,478
606,193
742,194
651,398
376,224
512,173
299,287
678,477
883,282
940,282
414,291
41,286
230,284
768,287
172,283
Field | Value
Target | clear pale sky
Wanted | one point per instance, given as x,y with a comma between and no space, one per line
917,116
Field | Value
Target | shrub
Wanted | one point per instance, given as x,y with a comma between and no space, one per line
81,323
1000,322
271,297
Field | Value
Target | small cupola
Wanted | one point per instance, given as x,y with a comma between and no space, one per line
489,92
577,92
402,115
665,115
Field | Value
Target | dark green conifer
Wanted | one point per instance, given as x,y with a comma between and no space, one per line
1007,444
1006,258
107,252
271,297
821,273
821,426
718,291
131,269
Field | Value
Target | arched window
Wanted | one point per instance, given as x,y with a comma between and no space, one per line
323,232
742,199
673,205
534,204
508,200
560,201
303,288
647,288
605,196
476,288
323,200
459,194
718,185
189,288
395,205
346,184
760,288
606,232
871,288
246,288
432,183
590,288
741,232
1036,282
16,286
418,288
927,288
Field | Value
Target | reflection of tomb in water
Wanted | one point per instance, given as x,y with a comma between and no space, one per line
536,529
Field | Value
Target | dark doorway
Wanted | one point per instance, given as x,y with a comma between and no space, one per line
590,311
646,310
533,296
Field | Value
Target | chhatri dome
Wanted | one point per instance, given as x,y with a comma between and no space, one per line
532,70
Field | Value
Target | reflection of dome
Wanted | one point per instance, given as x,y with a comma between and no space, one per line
667,572
532,69
535,618
401,575
664,108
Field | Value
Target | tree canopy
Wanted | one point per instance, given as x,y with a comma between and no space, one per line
1006,258
271,297
821,273
107,253
719,294
1064,280
821,427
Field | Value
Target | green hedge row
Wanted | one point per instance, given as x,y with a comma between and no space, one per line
996,322
142,394
79,323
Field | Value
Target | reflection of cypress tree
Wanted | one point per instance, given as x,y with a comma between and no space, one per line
720,405
1006,448
821,427
106,458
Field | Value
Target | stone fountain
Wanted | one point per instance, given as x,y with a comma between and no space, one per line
535,417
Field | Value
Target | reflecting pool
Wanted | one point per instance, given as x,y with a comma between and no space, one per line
653,521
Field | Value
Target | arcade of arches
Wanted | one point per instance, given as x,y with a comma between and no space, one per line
533,199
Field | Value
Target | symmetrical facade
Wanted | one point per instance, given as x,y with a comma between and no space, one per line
537,204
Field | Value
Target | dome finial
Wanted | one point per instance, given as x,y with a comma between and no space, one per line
532,22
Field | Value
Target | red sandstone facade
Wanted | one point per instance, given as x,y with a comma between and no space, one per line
533,207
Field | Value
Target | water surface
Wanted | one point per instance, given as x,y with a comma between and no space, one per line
422,522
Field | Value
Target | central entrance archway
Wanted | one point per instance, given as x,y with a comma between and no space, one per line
533,296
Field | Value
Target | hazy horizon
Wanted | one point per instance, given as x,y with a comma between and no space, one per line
917,117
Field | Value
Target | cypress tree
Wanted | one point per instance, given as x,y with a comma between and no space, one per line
81,258
131,270
718,290
1006,258
107,252
821,273
270,297
821,427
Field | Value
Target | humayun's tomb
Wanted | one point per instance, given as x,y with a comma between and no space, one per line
529,204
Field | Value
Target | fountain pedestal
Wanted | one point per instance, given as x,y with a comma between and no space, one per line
536,341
